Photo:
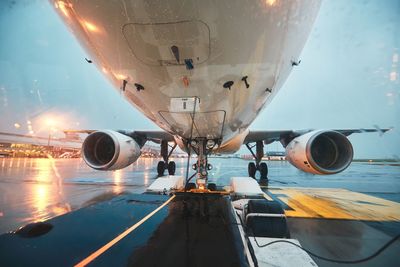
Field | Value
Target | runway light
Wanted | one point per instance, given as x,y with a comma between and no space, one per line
17,125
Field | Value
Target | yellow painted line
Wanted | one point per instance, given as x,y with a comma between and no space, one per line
104,248
336,204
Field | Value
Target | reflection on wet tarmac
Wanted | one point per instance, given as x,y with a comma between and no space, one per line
38,189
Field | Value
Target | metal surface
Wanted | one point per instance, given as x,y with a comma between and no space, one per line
138,42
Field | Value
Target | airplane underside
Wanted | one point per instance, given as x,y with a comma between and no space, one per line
202,71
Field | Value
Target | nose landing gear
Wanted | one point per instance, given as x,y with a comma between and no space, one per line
253,167
166,164
202,147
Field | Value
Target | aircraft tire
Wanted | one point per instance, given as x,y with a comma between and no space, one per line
252,169
263,170
161,168
171,168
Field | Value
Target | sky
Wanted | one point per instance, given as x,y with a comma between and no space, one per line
348,77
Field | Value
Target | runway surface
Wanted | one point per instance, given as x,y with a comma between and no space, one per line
38,189
344,216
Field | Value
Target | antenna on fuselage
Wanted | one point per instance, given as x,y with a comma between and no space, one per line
175,51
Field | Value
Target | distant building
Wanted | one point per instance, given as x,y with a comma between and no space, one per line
18,145
271,155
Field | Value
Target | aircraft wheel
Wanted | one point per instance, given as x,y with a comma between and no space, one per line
252,169
160,168
171,168
263,170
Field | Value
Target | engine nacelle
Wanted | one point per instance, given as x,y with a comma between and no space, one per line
109,150
320,152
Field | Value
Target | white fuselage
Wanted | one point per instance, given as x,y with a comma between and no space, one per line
225,40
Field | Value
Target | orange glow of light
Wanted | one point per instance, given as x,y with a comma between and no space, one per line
270,2
146,178
60,210
63,7
120,76
50,122
45,191
40,194
90,26
117,182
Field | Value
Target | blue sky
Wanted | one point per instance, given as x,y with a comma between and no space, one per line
348,77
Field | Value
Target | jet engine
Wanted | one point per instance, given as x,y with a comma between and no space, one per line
109,150
320,152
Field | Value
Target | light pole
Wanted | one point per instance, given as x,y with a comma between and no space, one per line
50,123
48,141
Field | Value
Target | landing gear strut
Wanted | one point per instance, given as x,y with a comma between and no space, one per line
202,147
258,165
166,165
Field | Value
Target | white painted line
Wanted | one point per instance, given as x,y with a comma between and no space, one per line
104,248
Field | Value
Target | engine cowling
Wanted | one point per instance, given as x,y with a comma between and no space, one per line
109,150
320,152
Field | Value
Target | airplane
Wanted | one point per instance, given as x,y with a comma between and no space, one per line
202,71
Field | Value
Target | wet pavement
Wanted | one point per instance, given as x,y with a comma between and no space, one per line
38,189
345,216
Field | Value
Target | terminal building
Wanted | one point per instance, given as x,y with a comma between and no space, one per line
19,145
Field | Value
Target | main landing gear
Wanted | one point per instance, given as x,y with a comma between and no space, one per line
165,164
258,165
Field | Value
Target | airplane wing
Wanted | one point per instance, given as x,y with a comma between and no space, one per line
150,135
269,137
154,136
